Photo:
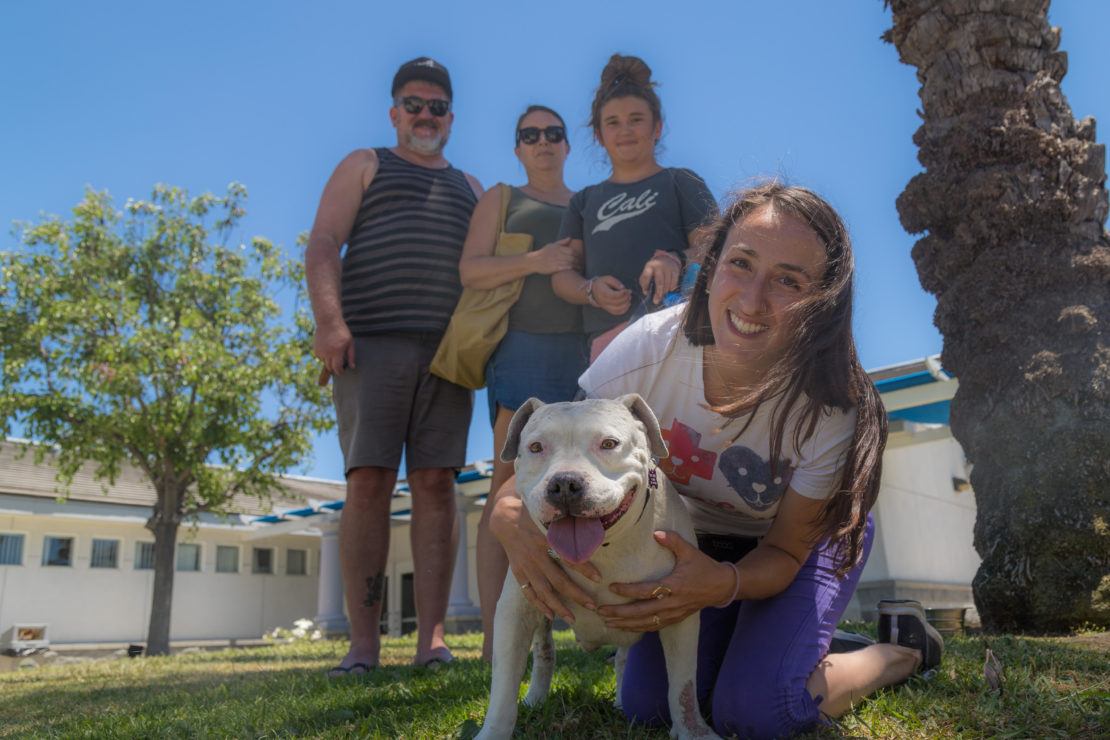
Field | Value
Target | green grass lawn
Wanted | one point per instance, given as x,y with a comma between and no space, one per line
1054,687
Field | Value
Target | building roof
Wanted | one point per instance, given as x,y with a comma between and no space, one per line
918,391
19,475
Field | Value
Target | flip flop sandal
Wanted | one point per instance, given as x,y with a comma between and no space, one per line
341,671
435,662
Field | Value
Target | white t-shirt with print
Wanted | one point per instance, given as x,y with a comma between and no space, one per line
727,485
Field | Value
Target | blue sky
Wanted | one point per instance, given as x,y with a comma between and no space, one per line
123,95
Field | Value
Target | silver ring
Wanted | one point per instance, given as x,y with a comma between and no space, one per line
552,554
525,586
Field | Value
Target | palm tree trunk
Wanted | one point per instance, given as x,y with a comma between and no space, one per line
1012,203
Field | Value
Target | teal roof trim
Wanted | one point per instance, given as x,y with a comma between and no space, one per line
932,413
905,381
465,477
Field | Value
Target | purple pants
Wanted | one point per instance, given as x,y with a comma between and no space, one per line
754,657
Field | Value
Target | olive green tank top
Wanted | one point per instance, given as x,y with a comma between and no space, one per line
539,310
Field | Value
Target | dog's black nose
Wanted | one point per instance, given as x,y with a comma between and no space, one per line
565,488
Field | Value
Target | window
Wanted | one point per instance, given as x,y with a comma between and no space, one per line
227,559
57,550
296,562
188,556
262,561
105,554
144,556
11,549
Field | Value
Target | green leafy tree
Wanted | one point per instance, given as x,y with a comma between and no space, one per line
142,337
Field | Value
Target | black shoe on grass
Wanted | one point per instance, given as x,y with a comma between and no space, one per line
902,622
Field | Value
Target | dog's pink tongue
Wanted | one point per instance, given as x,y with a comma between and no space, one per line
575,539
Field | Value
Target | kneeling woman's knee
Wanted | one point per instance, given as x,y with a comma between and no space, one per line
645,704
643,695
760,709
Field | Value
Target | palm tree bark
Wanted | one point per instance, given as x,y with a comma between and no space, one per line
1012,204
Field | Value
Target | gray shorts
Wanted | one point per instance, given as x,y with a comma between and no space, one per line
390,401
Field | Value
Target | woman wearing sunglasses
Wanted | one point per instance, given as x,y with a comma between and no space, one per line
635,229
544,349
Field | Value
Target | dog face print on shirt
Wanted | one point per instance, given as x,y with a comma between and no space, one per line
750,476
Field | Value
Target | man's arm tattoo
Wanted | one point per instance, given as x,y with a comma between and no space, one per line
374,587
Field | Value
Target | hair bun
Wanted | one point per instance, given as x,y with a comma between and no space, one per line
625,70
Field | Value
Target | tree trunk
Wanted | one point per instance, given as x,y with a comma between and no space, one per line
161,607
1012,203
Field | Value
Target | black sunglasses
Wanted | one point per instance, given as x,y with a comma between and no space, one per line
413,104
531,134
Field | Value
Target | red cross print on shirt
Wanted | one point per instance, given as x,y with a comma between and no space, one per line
686,459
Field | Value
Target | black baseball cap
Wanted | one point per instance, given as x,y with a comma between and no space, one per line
425,69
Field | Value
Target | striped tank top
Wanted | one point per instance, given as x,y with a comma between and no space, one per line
401,267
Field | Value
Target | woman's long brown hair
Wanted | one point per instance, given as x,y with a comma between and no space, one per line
818,371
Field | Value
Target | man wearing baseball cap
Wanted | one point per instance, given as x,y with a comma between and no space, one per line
381,308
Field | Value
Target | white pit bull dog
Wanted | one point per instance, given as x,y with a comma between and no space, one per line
585,473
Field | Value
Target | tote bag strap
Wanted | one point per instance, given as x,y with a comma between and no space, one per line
506,196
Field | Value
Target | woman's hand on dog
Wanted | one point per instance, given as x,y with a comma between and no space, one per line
696,582
530,563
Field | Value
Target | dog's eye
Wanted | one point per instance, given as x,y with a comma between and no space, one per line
535,447
609,444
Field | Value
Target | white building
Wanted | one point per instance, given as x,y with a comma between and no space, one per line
925,512
83,566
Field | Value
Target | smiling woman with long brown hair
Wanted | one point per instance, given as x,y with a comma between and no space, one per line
775,436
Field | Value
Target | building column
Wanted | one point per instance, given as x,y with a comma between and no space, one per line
330,618
462,614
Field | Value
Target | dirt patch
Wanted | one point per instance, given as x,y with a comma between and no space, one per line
1097,641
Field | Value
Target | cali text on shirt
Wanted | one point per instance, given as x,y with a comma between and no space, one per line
624,206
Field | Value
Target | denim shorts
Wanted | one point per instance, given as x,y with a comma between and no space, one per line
524,365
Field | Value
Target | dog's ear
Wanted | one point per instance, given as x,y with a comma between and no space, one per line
516,426
638,407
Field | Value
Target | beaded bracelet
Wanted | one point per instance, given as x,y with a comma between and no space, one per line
588,286
736,589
